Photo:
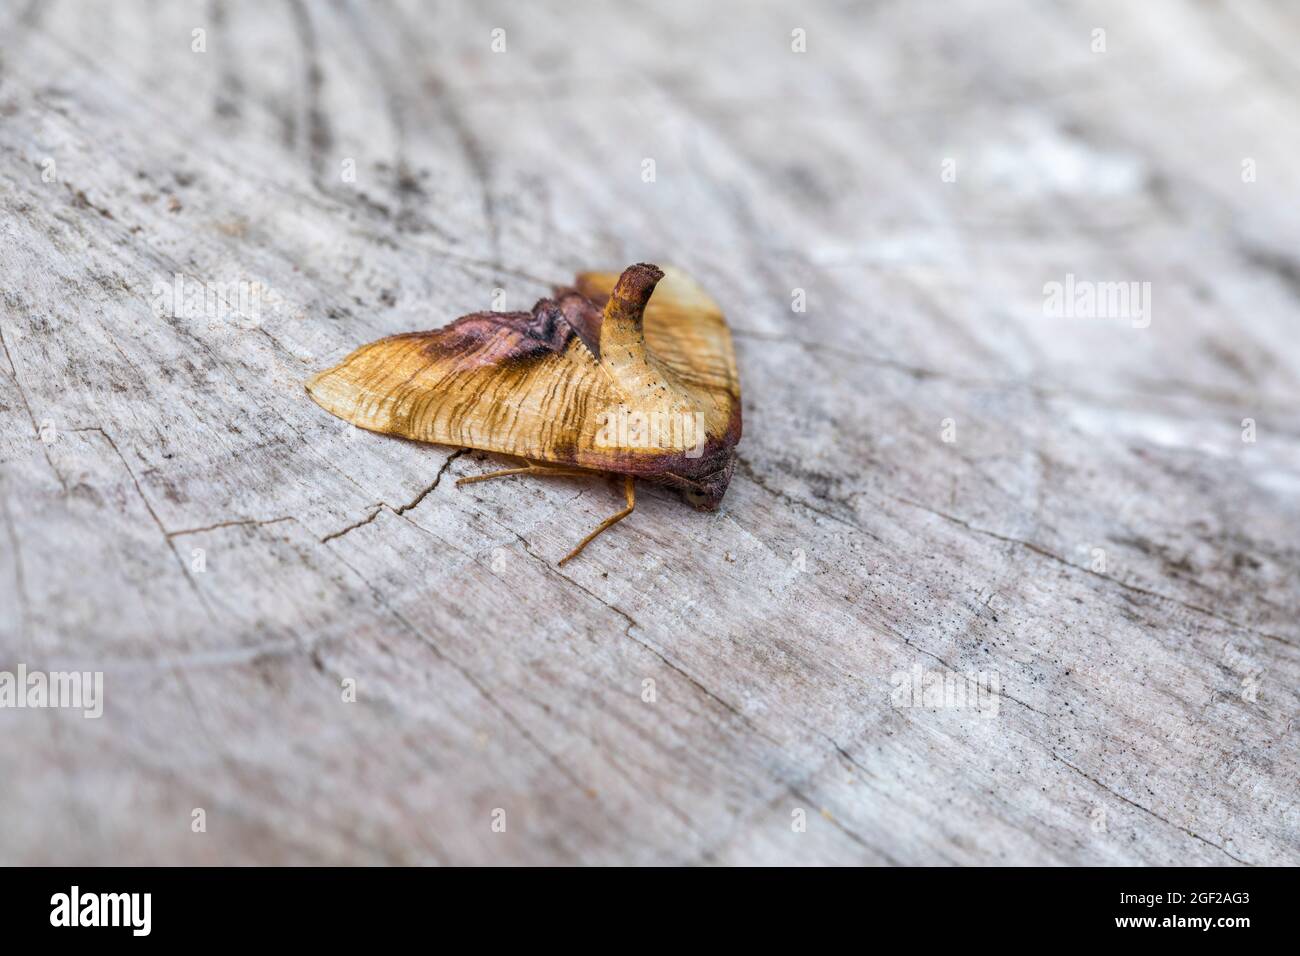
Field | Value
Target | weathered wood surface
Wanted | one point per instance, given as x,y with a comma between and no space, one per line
1146,711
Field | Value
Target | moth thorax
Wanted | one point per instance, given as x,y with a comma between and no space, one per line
638,373
623,349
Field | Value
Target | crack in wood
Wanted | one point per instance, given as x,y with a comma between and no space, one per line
1044,552
400,510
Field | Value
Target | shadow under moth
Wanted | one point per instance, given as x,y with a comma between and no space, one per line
630,375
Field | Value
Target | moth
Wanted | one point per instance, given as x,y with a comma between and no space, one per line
630,375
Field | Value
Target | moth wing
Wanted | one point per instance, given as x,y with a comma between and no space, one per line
686,330
517,383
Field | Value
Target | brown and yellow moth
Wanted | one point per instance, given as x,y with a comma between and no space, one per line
630,375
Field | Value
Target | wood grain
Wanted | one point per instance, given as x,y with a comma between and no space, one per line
1098,538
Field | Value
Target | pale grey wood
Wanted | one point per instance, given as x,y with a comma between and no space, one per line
1147,710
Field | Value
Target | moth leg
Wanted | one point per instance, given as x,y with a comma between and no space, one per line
630,493
528,469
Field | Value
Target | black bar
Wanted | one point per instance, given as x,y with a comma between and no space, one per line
724,906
